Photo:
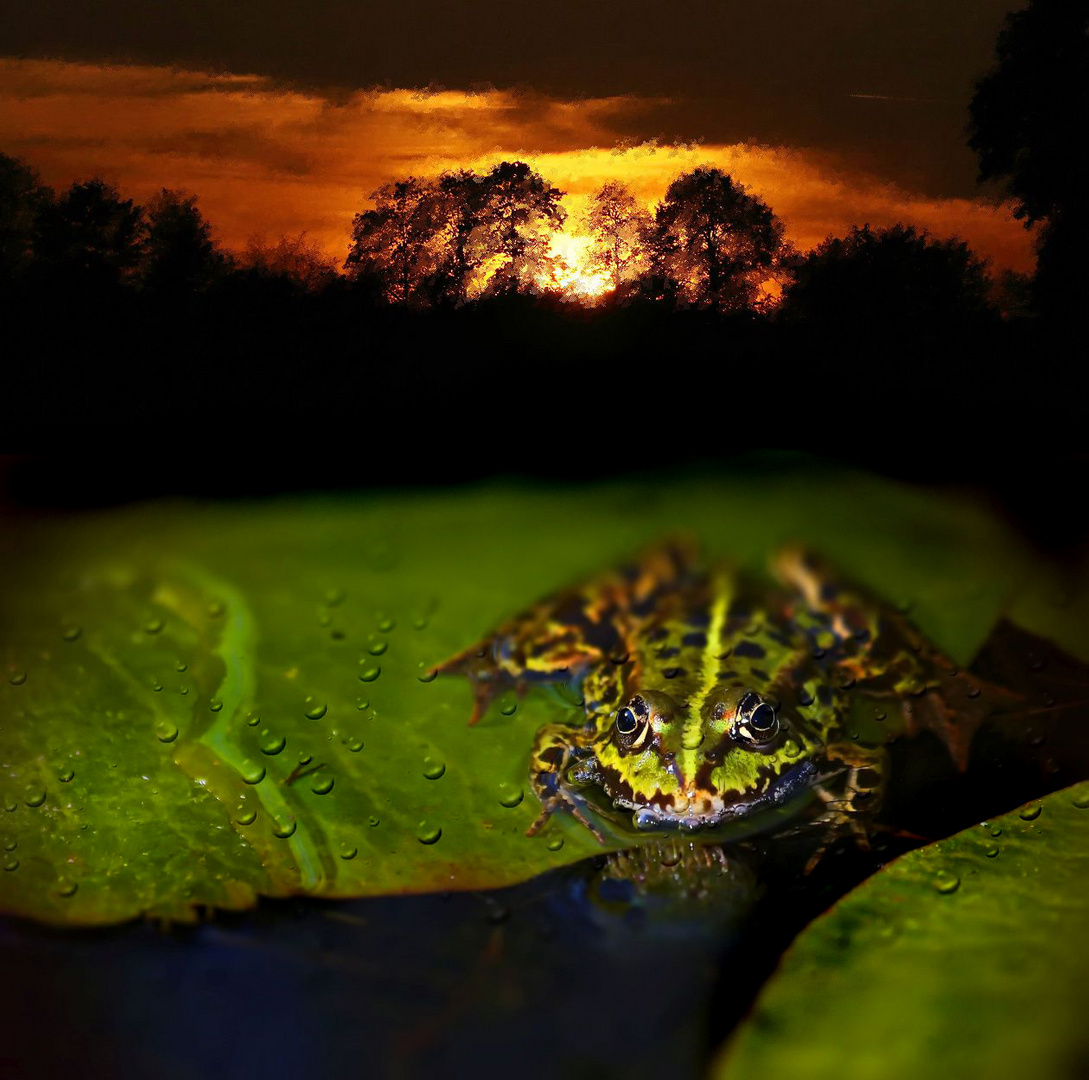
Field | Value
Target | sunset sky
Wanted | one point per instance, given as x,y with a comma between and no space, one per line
284,116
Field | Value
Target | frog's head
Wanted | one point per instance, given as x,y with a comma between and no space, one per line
698,763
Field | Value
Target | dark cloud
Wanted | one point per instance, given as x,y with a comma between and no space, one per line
885,82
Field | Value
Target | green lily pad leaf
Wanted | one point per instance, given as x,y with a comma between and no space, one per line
971,951
201,704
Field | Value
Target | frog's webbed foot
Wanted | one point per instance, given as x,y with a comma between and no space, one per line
849,810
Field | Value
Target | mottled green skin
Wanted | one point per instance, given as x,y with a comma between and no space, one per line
688,650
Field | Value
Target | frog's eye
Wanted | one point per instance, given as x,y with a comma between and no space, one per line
757,723
626,723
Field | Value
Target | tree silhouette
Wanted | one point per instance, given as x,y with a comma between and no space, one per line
295,259
1029,126
621,232
715,241
895,280
90,237
519,211
22,197
179,254
395,240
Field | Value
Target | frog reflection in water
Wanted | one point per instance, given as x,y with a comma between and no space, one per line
710,697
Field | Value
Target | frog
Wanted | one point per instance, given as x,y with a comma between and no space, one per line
710,695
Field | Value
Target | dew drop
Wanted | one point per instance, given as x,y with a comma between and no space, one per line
10,845
555,843
65,774
154,626
215,705
315,710
322,785
67,889
369,672
880,716
304,759
376,645
181,665
284,829
372,821
72,633
253,720
165,731
1081,799
510,795
17,678
433,768
245,815
508,705
156,685
385,623
35,796
10,863
973,691
426,674
362,704
428,833
419,622
1030,813
252,772
354,744
991,850
946,883
333,597
10,805
272,744
996,830
348,852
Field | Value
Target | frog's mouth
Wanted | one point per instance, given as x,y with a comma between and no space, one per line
704,810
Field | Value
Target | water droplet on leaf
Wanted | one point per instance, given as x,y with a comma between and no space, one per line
322,785
369,672
272,744
427,833
555,843
284,829
65,774
946,882
348,852
1030,813
315,710
72,633
510,795
426,674
433,768
253,772
35,796
215,705
165,731
245,815
17,678
154,626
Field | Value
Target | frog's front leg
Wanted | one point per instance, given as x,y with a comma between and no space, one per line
850,805
553,752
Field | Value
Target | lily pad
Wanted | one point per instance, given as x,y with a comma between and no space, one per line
971,951
200,704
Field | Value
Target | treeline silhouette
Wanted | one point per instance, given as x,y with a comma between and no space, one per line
449,315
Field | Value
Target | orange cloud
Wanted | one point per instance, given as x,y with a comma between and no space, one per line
277,160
